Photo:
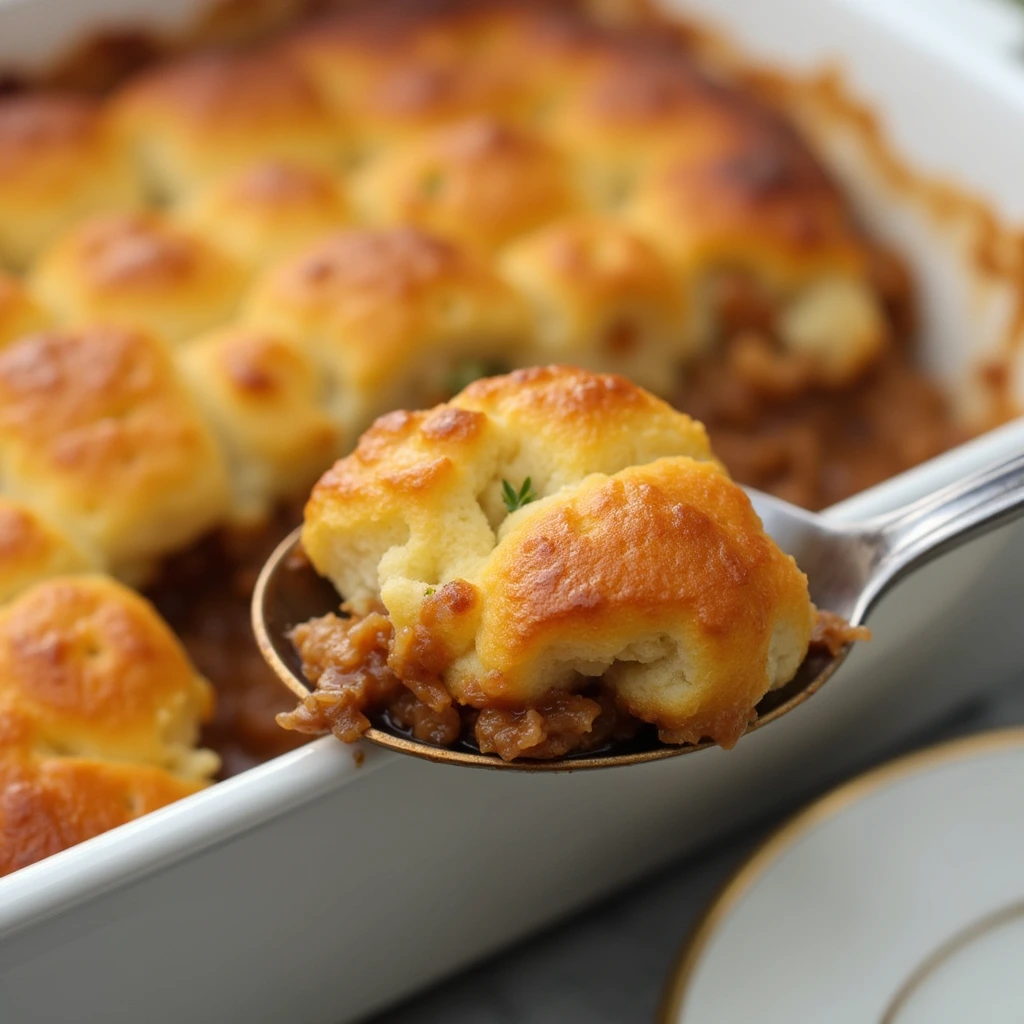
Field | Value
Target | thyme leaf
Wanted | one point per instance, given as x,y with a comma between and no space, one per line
517,499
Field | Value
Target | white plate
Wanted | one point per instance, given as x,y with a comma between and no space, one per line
897,898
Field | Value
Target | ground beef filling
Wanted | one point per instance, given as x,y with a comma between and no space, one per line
819,446
349,662
346,659
560,724
442,728
782,431
204,594
832,633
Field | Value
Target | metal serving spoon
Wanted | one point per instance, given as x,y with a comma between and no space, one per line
849,566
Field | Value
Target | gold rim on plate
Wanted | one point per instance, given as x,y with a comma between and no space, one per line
796,828
946,952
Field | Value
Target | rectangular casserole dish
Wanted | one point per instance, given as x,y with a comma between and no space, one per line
312,890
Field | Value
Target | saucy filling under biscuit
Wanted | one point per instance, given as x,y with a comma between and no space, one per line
346,658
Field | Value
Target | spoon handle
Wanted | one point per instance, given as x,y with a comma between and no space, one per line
912,535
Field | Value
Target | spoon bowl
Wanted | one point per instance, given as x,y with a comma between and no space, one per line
289,591
848,565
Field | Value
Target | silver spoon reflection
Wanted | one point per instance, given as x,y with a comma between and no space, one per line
849,566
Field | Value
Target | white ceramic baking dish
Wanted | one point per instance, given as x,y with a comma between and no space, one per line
310,890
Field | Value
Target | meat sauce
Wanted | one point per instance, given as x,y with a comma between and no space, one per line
347,661
204,593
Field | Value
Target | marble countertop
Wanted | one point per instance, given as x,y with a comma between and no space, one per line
609,964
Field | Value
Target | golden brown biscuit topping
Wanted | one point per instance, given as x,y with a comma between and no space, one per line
34,126
97,430
48,803
119,252
278,182
394,262
765,176
109,372
559,393
652,92
480,182
228,90
93,671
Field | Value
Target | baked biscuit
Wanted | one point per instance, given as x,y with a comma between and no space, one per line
638,566
633,112
268,210
425,95
99,716
395,69
660,580
205,116
432,481
139,270
756,203
479,182
88,669
544,49
50,803
348,53
264,396
604,298
59,162
392,315
32,549
551,51
751,195
98,434
20,314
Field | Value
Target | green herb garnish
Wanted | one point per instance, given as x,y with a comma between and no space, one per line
517,499
430,591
